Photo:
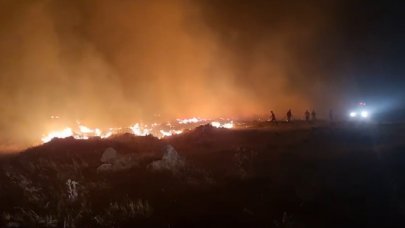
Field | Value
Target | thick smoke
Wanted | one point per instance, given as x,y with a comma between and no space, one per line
112,63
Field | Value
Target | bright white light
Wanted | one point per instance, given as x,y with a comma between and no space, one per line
353,114
364,114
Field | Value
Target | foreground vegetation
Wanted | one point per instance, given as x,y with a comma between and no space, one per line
323,176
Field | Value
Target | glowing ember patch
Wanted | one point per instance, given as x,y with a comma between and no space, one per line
216,124
222,125
189,121
84,129
107,134
170,133
138,130
228,125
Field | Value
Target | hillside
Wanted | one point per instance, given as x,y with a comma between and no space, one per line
260,176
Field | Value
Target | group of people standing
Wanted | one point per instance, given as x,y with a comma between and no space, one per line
309,116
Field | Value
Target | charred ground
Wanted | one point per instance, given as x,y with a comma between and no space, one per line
290,175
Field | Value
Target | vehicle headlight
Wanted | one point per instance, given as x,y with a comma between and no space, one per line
364,114
353,114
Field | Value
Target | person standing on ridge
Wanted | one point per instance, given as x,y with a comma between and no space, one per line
289,115
273,117
307,114
313,114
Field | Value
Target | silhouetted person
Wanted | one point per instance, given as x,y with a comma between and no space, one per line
313,115
307,114
331,115
289,115
273,117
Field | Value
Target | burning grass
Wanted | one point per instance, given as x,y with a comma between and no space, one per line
159,130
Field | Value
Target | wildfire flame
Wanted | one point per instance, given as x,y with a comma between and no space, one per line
158,130
86,130
67,132
188,121
222,125
138,130
171,132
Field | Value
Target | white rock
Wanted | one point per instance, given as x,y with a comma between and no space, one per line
109,155
113,161
104,168
171,160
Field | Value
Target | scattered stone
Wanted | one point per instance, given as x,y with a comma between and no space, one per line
109,155
104,168
171,160
113,161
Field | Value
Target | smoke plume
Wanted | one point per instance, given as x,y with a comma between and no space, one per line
111,63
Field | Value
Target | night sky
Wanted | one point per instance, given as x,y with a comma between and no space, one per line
107,62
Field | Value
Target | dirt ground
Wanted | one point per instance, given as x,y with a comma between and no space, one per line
258,175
